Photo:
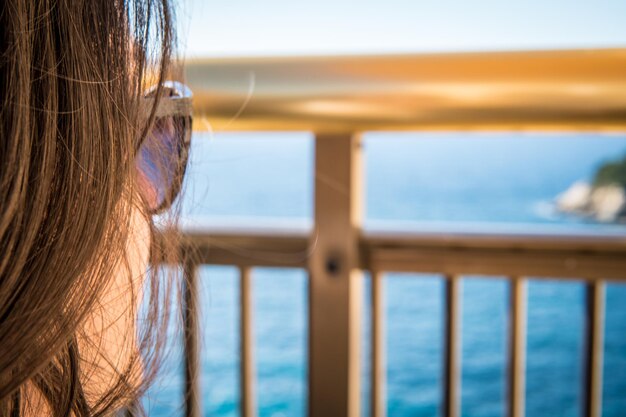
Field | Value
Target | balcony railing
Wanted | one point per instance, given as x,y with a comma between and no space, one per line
337,98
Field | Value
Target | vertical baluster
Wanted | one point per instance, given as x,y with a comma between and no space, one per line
517,347
593,353
378,366
191,340
452,348
247,376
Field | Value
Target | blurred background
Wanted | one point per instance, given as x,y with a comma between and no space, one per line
446,182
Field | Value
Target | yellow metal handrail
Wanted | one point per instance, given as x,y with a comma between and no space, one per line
546,90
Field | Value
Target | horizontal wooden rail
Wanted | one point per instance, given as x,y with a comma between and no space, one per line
569,90
278,246
565,256
565,264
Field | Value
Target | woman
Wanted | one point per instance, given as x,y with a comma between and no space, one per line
88,154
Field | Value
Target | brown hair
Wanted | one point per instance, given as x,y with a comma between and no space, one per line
72,75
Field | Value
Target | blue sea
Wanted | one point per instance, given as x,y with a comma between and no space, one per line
452,181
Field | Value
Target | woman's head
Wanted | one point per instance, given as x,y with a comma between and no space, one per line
74,228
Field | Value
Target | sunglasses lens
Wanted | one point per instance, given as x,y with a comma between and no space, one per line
161,162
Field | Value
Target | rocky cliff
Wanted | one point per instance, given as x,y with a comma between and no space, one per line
605,203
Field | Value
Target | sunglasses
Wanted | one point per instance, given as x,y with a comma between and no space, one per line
162,157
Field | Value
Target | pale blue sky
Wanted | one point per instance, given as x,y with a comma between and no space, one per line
282,27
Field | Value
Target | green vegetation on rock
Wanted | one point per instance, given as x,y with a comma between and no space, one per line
611,173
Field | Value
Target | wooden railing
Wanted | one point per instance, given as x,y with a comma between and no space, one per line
340,97
596,259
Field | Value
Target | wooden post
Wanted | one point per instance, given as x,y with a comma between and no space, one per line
335,284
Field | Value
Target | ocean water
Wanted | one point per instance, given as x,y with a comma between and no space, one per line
455,181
